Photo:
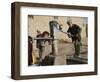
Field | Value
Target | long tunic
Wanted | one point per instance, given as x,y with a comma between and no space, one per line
30,48
46,47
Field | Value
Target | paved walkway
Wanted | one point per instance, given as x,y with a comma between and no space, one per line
65,56
66,52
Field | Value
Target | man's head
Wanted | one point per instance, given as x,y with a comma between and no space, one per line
45,34
38,32
69,22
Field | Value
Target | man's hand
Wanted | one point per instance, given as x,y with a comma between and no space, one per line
69,34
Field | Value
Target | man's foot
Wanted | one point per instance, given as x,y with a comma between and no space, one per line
80,56
75,56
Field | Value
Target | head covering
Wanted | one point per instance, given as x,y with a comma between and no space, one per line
69,22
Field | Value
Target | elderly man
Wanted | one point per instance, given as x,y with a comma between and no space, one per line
74,32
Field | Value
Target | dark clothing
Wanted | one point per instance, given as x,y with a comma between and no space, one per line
77,49
30,48
75,32
74,29
38,42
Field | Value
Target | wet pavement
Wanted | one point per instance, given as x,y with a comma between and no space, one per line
65,56
66,52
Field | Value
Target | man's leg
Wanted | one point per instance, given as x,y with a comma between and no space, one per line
77,48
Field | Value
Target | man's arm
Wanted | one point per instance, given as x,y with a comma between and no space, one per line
69,33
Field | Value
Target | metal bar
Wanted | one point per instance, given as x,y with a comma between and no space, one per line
45,39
